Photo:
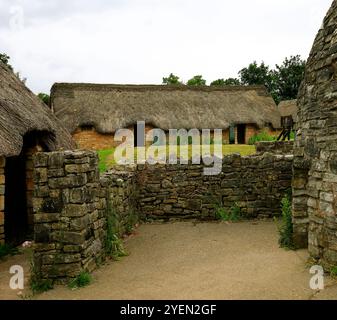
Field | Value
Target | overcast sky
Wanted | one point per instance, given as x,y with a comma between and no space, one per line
140,41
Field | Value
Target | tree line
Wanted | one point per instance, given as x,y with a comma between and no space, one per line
282,82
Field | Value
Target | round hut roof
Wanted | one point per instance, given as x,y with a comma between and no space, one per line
22,112
288,108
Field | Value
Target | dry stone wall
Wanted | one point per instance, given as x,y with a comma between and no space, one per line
70,212
256,184
2,200
315,163
73,204
276,147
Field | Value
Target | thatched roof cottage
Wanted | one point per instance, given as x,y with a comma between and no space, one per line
93,112
26,126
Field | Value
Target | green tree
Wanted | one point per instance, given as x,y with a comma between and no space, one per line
44,97
227,82
5,59
256,74
289,76
196,81
172,80
261,74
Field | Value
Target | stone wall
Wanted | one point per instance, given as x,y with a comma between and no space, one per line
256,184
70,212
315,163
72,204
276,147
2,199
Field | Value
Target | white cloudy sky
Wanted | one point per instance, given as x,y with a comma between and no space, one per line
140,41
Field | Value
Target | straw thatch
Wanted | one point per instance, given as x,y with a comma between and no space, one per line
288,108
110,107
21,112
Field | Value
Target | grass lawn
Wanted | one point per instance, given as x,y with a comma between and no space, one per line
107,161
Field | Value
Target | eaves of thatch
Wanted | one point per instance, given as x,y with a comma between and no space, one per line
110,107
21,112
288,108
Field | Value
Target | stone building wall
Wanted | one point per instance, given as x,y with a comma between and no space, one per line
315,163
70,212
256,184
276,147
2,199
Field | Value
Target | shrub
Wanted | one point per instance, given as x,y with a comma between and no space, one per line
286,227
262,136
82,280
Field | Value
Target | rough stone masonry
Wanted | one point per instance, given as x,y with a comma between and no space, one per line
71,201
70,212
315,161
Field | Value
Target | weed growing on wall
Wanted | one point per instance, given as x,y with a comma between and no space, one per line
231,215
132,220
81,281
36,283
285,228
333,272
113,244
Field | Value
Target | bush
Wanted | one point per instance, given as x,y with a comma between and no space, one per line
262,136
286,227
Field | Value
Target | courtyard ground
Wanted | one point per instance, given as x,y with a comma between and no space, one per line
187,260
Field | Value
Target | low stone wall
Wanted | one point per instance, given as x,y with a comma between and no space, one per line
70,212
73,205
275,147
256,184
2,199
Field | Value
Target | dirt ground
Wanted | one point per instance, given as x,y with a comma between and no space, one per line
188,260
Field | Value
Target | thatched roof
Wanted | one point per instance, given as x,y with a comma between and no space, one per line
110,107
288,108
22,112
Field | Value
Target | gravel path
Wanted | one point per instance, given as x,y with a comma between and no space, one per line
188,260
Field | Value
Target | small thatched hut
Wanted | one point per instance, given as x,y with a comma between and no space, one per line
93,112
288,109
26,126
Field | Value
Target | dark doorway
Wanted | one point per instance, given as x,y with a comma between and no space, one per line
19,188
16,213
241,133
232,134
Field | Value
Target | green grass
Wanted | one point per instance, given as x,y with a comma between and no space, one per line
7,250
81,281
107,161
